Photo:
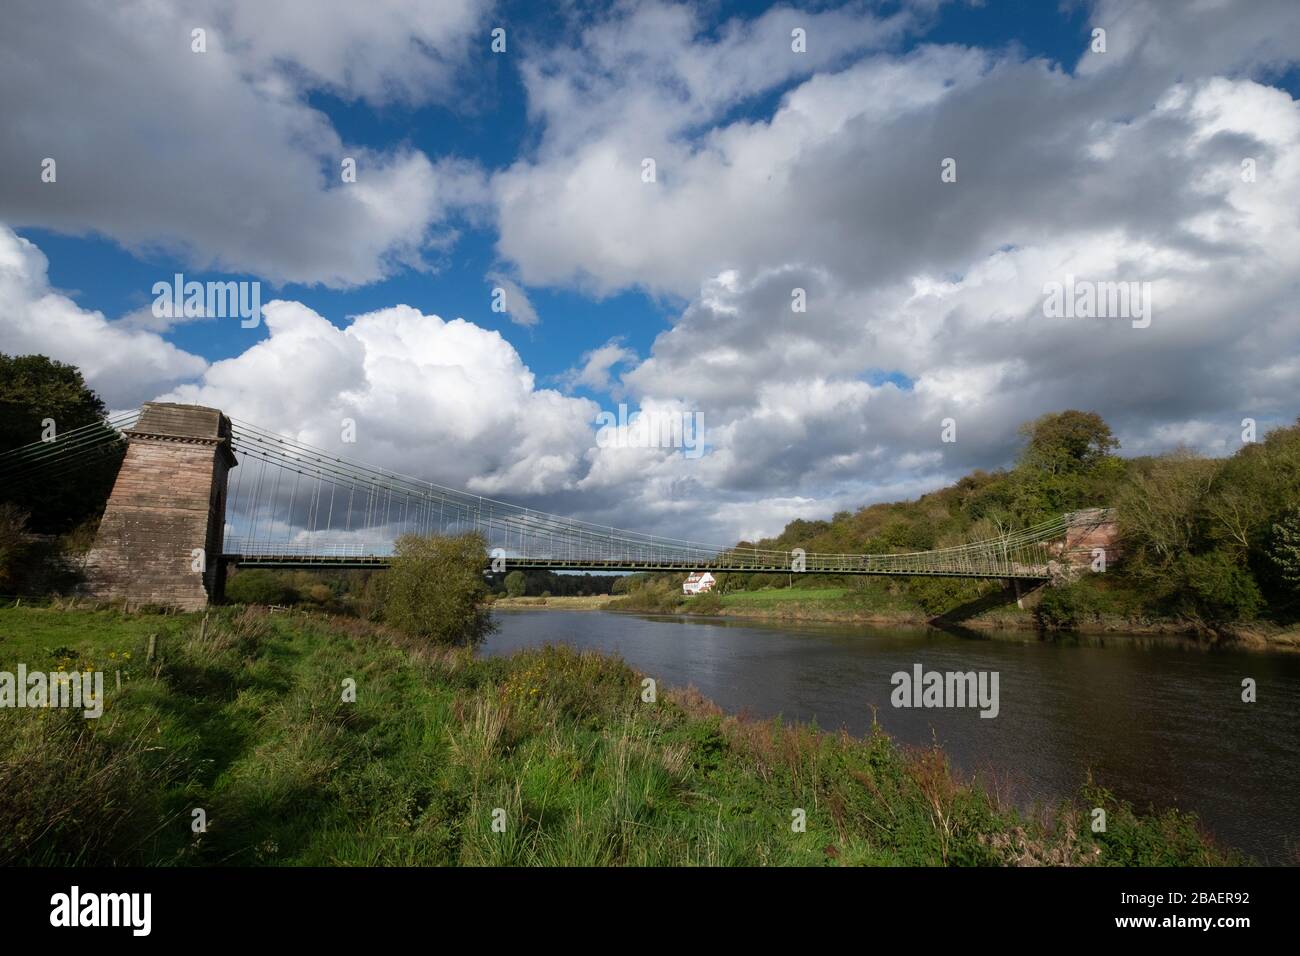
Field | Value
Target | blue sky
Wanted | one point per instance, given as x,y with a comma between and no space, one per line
777,170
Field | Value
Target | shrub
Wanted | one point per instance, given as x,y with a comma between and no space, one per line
320,593
1284,550
33,564
1221,586
13,547
260,586
937,595
706,603
1063,608
516,584
435,588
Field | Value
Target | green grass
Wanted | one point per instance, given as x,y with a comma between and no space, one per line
862,597
49,635
247,723
782,596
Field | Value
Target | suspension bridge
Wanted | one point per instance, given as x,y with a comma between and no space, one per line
194,481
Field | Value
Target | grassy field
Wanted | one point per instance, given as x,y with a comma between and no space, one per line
248,724
867,601
765,598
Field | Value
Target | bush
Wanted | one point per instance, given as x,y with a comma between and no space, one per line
706,603
1220,585
34,564
1063,608
1284,552
435,588
260,586
516,584
657,597
13,547
938,595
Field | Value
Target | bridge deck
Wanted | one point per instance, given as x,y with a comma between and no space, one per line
379,562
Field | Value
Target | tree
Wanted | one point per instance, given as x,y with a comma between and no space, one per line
1222,587
1068,442
1284,548
1159,511
435,588
1257,483
516,584
1066,464
33,389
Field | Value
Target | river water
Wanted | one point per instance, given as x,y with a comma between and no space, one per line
1160,722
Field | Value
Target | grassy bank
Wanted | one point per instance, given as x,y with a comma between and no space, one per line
571,602
1090,606
823,604
246,722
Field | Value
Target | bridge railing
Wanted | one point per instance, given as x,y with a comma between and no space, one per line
387,504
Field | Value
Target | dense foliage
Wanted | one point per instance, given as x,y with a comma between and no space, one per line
1212,539
34,392
516,584
537,582
435,590
1215,538
261,586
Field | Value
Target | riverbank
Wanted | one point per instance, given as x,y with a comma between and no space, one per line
1244,636
546,756
590,602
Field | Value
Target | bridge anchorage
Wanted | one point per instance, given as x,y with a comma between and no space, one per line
177,518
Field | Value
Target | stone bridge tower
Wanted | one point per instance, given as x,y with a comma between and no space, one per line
1088,533
161,536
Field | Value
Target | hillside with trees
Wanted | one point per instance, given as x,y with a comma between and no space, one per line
1205,541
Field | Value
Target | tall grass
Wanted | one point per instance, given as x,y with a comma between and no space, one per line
548,757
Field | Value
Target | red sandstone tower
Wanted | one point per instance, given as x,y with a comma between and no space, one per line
161,537
1089,530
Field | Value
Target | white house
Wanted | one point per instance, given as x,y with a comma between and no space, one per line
697,582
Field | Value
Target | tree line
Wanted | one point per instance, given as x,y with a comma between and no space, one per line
1208,538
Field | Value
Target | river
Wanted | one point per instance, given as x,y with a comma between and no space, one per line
1160,722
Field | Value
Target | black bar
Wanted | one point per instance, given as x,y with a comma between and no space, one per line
216,906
